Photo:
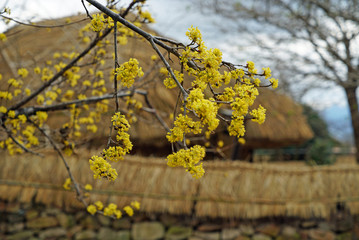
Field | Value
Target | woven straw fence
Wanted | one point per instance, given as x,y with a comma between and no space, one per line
228,189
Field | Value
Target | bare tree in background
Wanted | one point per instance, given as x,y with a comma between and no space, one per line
316,39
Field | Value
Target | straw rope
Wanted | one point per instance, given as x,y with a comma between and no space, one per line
229,189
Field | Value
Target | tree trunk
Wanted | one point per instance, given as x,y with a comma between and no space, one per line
354,113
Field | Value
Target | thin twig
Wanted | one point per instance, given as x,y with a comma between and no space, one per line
65,105
76,185
154,112
42,26
116,64
87,12
169,69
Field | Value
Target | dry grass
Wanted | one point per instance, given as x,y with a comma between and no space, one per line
228,189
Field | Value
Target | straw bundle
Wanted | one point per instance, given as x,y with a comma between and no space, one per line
228,189
257,190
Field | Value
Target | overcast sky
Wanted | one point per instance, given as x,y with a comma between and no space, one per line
173,18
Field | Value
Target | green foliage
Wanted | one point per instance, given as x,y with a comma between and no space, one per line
316,122
320,152
320,147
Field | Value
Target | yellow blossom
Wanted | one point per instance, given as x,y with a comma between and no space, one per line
169,82
251,67
23,72
91,209
99,205
11,113
56,55
188,159
183,124
40,99
5,95
128,210
274,82
259,114
110,209
3,109
97,22
128,71
86,39
194,35
102,169
67,184
147,15
122,40
27,92
118,214
88,187
22,118
135,204
3,37
154,57
267,72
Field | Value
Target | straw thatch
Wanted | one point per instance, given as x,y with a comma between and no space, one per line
285,124
228,189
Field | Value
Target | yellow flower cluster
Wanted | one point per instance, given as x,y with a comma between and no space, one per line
183,125
194,35
204,108
88,187
97,22
274,82
128,71
102,169
259,114
189,159
22,133
212,88
3,37
112,210
100,165
5,95
40,118
93,208
67,184
267,72
169,82
147,16
251,67
23,72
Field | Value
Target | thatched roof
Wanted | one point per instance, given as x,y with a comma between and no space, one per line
228,189
285,124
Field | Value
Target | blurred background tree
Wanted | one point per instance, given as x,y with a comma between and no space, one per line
314,41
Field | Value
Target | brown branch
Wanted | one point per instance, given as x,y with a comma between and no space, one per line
62,106
79,194
42,26
152,110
